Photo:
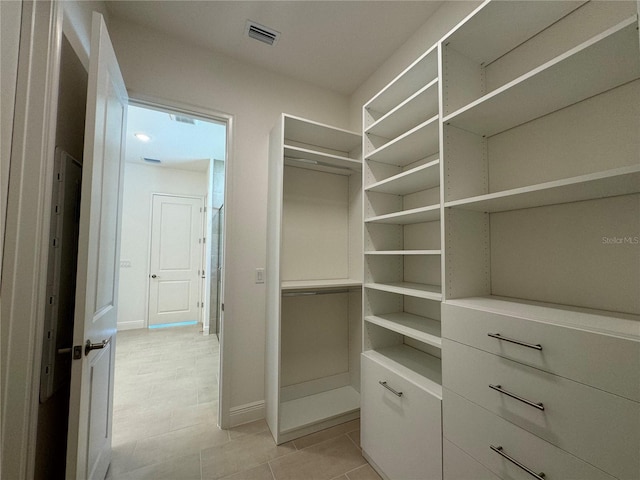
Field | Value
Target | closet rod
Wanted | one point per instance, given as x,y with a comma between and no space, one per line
314,292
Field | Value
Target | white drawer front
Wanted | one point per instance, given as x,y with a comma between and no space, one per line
458,465
474,430
402,435
603,361
599,427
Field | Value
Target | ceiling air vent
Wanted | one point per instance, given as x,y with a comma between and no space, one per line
260,32
182,119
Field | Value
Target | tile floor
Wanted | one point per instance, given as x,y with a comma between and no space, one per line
165,415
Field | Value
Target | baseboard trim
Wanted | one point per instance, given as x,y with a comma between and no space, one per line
132,325
249,412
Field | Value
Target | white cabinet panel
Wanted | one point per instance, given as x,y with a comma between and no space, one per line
475,430
402,434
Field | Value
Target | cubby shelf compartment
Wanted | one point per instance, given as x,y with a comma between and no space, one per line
414,77
423,329
314,133
416,144
408,114
414,180
618,181
495,28
403,252
309,410
606,61
420,290
406,217
417,367
311,157
320,284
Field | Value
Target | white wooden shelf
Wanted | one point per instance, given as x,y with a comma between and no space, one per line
314,133
604,62
406,217
414,77
423,329
312,409
411,112
420,290
315,157
416,144
417,367
403,252
419,178
320,284
618,181
599,321
495,28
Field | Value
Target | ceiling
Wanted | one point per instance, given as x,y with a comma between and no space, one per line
175,144
333,44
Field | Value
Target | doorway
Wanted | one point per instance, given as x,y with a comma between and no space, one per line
174,190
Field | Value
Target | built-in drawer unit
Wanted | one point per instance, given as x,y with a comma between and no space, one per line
506,449
400,418
582,346
599,427
457,465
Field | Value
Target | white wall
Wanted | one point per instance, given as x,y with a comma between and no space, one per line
156,65
140,182
443,20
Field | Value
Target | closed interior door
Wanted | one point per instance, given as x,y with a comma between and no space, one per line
176,254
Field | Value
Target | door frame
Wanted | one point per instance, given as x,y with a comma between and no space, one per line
25,255
147,317
158,103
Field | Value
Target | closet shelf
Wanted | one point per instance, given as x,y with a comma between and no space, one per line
419,178
406,217
324,406
420,290
308,158
403,252
423,329
598,321
494,28
313,133
416,144
417,367
319,284
410,80
618,181
411,112
606,61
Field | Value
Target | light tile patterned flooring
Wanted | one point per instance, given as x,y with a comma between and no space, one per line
165,416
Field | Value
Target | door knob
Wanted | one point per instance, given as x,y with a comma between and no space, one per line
154,276
95,346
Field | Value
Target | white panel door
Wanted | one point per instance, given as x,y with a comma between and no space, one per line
90,402
176,255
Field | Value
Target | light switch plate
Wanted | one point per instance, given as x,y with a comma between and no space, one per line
259,275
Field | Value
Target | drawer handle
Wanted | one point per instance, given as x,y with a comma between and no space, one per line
498,388
395,392
498,450
537,346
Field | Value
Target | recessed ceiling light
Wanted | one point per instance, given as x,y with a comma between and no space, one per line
143,137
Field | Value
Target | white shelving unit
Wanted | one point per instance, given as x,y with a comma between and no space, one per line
402,255
541,199
314,278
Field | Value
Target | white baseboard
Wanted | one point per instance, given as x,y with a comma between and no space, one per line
249,412
132,325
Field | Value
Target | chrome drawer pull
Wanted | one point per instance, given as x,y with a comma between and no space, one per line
537,346
498,449
499,388
395,392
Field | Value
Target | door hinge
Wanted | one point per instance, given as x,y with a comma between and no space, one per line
222,307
